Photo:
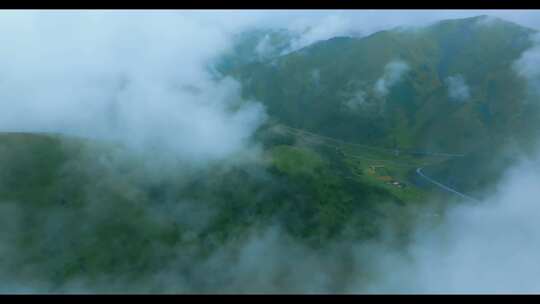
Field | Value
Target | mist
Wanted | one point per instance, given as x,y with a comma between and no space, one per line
486,248
527,66
146,80
393,73
458,90
142,78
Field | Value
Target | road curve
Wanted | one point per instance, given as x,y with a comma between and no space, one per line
446,188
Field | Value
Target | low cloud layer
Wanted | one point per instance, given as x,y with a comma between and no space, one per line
143,79
527,65
327,27
264,47
490,247
486,248
393,73
458,90
138,77
316,25
356,101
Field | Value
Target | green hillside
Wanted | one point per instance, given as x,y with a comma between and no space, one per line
77,209
339,155
313,88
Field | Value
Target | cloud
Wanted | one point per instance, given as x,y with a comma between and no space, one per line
486,248
527,65
457,88
356,101
315,76
490,247
264,47
131,76
327,27
393,73
124,76
487,21
315,25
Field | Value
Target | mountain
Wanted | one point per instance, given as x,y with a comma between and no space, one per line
449,86
84,211
75,208
254,46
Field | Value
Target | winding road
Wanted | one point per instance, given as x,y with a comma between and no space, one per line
364,146
446,188
397,151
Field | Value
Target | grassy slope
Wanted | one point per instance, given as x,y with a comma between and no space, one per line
76,209
309,88
82,209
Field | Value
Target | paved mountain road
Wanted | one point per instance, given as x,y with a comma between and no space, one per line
444,187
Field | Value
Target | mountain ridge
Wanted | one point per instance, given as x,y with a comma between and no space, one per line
309,88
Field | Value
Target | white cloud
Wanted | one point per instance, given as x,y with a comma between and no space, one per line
458,89
327,23
393,73
356,101
327,27
122,75
264,47
486,248
490,247
527,65
139,77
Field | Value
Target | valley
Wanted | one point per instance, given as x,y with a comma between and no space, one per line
262,158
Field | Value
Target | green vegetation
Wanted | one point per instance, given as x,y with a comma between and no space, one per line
91,209
333,167
313,88
296,161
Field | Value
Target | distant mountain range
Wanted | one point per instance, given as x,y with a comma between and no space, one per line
449,87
